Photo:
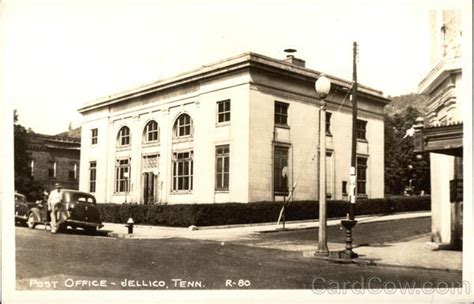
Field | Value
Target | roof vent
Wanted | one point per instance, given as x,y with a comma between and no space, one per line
290,58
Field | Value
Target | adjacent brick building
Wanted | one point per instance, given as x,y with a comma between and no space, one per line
55,159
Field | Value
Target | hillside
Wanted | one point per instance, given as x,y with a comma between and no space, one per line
76,133
400,103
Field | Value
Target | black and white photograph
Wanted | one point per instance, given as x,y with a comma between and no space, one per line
274,152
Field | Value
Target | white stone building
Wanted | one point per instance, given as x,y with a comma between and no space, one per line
443,132
224,133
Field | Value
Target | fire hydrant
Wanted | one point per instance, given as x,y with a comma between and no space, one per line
129,225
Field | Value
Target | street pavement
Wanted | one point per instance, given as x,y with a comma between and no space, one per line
413,252
216,260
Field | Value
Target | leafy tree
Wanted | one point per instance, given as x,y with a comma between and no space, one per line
24,183
401,164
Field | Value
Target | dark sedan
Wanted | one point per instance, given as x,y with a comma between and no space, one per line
21,209
76,209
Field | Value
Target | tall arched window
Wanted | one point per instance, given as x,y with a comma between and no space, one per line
183,126
150,134
123,138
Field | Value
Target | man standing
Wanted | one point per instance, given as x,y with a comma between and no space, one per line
54,199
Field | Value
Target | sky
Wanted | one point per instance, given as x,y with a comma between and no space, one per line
59,55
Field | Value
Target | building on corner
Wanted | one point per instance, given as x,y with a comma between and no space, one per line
441,134
243,129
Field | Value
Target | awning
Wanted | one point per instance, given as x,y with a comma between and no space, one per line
445,139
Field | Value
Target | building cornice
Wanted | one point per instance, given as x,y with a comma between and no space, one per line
40,142
438,74
227,66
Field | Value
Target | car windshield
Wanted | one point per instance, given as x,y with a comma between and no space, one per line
79,198
19,199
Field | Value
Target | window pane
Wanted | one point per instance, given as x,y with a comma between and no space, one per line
219,180
186,168
226,164
226,181
186,183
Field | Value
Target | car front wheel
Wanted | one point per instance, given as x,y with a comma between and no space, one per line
30,222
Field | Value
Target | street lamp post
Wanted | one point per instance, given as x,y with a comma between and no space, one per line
322,86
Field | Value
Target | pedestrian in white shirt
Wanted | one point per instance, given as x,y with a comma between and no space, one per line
54,199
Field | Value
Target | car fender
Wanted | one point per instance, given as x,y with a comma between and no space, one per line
36,213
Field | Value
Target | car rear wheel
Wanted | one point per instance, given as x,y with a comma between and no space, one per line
30,222
90,230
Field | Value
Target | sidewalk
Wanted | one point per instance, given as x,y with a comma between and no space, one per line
413,253
230,232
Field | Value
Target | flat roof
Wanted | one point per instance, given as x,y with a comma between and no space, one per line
222,67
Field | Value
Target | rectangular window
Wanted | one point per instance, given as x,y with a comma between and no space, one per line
280,171
361,175
32,166
281,113
71,175
183,171
328,123
94,134
92,176
223,111
222,167
329,175
361,129
344,187
122,175
52,171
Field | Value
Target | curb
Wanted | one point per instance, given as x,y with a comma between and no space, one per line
372,262
117,235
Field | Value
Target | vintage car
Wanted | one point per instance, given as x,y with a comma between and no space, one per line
77,209
21,209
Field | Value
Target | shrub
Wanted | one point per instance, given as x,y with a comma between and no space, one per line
184,215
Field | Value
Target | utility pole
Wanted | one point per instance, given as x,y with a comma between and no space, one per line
354,133
349,223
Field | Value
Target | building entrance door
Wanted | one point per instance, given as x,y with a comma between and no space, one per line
149,187
150,174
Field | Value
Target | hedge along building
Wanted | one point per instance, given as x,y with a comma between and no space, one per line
225,132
